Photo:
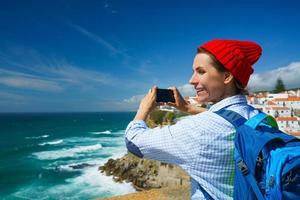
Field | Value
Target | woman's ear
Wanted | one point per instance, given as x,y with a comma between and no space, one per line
228,77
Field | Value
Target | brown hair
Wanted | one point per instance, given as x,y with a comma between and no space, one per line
220,68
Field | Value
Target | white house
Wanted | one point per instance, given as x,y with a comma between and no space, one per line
277,111
288,124
281,106
167,108
260,98
271,96
291,102
295,93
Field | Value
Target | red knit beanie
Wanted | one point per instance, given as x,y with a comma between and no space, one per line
236,56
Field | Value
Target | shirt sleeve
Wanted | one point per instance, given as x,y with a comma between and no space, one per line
169,144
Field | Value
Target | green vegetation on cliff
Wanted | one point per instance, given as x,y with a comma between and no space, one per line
161,118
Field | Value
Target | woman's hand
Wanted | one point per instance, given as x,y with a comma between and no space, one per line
180,103
147,105
183,105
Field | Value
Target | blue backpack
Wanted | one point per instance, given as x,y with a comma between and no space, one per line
267,161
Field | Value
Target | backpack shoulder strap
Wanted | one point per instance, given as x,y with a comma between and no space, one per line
237,120
231,116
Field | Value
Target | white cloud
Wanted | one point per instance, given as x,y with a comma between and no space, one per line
187,90
130,104
27,81
72,74
37,72
266,81
136,99
30,83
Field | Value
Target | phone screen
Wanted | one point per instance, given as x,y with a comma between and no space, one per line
165,95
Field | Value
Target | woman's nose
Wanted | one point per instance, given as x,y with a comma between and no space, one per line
192,80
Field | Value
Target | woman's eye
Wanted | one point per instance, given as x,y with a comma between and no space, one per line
200,71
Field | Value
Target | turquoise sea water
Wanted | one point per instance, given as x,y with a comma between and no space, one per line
57,155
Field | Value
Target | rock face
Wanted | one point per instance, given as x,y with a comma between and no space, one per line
80,166
149,174
145,174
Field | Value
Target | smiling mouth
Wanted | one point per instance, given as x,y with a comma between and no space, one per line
199,90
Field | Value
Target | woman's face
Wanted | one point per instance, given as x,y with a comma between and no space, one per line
208,82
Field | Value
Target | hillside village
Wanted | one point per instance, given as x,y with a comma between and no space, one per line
284,107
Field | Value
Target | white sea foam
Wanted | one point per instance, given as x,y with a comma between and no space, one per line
101,132
120,132
37,137
116,141
68,165
51,143
73,167
89,185
64,153
76,140
95,179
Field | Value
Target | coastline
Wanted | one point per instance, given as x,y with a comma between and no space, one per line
151,179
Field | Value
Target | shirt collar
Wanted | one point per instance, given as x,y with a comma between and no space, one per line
237,99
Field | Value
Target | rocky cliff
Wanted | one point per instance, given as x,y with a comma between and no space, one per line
145,174
149,174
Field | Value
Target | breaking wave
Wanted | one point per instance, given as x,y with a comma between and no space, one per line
37,137
101,132
51,143
64,153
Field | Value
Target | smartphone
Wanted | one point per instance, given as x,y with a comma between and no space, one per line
165,95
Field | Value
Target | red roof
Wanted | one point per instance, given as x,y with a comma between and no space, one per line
286,119
288,99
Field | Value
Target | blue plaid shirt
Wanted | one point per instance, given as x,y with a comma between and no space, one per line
201,144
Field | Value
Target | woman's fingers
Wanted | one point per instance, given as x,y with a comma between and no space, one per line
175,92
154,92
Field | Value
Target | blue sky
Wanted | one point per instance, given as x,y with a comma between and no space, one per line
104,55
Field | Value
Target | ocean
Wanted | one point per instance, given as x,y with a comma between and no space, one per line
57,155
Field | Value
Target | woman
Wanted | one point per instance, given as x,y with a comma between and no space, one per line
202,144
